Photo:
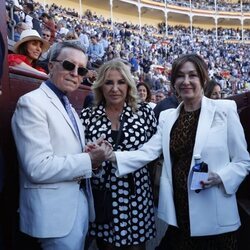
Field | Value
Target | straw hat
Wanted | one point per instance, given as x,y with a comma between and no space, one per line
30,35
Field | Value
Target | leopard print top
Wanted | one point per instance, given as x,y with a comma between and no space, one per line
181,148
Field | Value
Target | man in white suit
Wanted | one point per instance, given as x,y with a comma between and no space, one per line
50,147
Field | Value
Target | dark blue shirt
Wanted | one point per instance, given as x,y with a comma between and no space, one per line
56,90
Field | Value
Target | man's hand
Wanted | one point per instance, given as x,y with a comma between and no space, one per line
92,145
99,151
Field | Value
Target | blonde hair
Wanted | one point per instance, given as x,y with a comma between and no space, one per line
120,66
71,35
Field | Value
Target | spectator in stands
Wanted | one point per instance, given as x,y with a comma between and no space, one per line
104,41
89,80
28,10
116,109
71,35
83,37
153,97
31,18
44,58
16,10
145,93
197,220
46,34
169,102
61,28
20,27
95,50
49,139
145,63
133,61
27,51
212,90
49,23
159,96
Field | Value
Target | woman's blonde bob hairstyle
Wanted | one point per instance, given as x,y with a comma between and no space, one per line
120,66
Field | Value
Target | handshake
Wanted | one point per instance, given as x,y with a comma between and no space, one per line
99,151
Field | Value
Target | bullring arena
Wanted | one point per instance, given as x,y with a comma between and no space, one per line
217,30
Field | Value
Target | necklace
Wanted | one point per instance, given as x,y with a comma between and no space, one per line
191,114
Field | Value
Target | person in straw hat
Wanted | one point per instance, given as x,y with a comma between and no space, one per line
27,51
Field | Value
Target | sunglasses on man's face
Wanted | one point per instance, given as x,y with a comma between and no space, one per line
47,35
67,65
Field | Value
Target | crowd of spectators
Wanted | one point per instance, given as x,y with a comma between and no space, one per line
149,52
221,5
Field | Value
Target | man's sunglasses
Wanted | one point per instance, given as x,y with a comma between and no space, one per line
67,65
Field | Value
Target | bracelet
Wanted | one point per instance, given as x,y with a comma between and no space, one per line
94,169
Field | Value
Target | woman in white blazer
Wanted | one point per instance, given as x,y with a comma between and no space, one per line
207,219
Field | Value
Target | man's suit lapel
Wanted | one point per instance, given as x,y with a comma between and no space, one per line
58,104
80,127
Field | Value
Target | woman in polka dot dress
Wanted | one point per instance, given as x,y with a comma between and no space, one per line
133,220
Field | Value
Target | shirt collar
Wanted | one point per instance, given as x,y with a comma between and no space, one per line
56,90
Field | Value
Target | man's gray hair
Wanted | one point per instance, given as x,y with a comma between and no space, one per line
57,48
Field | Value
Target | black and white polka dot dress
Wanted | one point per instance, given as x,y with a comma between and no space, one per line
132,208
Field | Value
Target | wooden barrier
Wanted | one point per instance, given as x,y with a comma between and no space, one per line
243,193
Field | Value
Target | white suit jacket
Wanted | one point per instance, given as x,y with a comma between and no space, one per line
221,143
50,159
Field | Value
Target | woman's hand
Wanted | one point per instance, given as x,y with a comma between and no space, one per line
99,151
213,180
92,145
99,142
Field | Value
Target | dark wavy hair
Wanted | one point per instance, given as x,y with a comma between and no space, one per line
148,98
200,66
209,87
23,51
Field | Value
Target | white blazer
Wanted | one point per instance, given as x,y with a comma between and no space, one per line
51,160
221,143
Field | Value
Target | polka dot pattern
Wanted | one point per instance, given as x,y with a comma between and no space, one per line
133,212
